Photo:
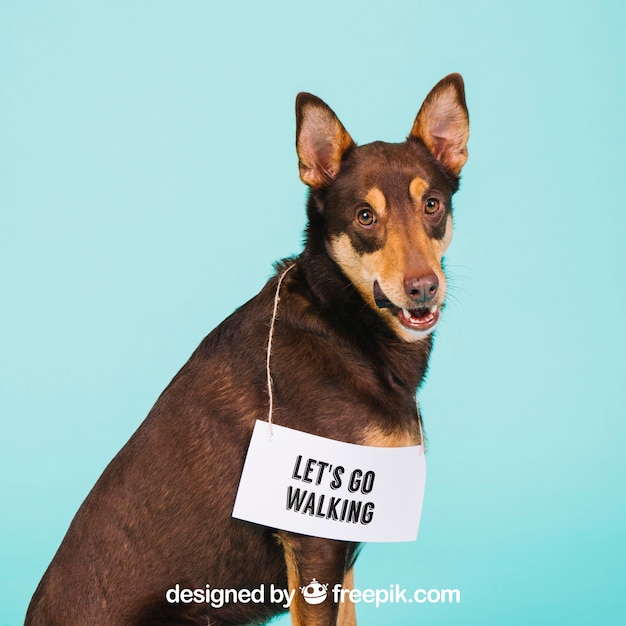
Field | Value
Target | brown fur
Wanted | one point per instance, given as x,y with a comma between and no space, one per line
342,368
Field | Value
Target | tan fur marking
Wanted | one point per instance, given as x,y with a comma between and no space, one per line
295,611
379,438
441,245
347,610
376,199
429,250
355,266
417,187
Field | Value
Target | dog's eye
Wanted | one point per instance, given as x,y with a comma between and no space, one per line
432,206
366,217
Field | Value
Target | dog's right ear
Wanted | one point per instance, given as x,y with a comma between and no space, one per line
321,141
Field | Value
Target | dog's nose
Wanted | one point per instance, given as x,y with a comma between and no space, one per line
421,288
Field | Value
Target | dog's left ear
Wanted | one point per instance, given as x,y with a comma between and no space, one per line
442,123
321,141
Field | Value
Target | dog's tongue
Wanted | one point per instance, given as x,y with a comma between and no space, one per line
382,301
418,314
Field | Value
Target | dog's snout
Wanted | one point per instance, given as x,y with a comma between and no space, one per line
421,288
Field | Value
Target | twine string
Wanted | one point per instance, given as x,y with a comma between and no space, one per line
268,371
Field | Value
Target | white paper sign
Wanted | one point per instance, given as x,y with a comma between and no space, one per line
326,488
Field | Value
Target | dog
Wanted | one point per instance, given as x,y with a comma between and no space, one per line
351,342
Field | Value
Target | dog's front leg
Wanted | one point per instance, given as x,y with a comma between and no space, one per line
309,558
347,611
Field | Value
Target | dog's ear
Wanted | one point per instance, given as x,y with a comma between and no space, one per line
443,123
321,141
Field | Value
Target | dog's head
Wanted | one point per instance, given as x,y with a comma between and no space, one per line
386,207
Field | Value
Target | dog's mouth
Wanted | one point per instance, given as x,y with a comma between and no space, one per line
419,319
423,318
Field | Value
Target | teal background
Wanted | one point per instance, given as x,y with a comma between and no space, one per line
148,180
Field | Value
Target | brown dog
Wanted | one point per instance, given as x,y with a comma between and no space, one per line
350,347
